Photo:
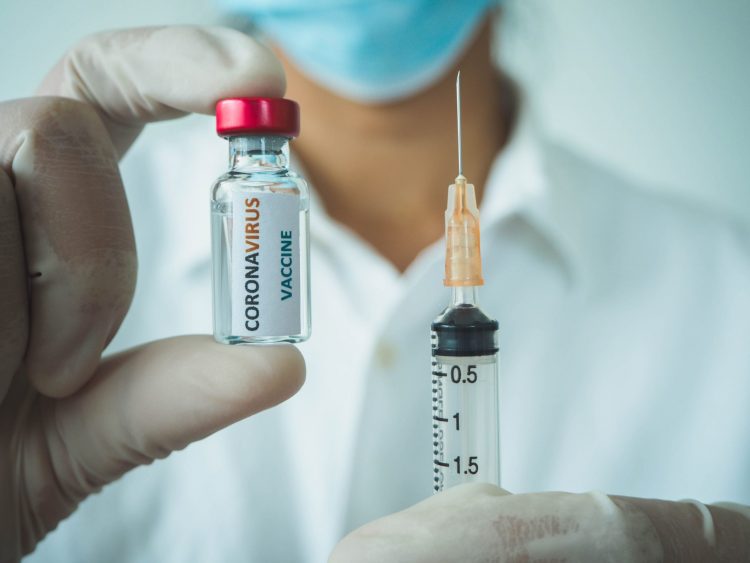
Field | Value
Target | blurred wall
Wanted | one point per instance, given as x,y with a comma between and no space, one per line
35,33
661,90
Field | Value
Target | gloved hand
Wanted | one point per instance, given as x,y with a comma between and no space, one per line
477,523
70,421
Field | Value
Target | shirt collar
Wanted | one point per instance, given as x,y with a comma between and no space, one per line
519,185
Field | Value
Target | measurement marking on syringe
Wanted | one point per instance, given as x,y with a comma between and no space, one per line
441,464
439,419
439,373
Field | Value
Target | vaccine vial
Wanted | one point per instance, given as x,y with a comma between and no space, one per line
260,227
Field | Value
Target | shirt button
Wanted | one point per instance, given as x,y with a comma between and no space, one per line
385,355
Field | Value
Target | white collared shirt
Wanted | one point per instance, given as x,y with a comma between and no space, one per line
624,342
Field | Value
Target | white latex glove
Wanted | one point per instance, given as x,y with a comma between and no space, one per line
480,523
71,422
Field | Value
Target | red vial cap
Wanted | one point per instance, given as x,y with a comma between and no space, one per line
270,116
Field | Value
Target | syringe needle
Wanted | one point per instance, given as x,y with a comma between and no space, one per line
463,259
458,123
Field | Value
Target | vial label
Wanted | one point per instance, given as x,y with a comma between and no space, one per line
265,264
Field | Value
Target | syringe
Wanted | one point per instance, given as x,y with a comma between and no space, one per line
465,418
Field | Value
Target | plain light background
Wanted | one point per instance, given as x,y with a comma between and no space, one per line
659,90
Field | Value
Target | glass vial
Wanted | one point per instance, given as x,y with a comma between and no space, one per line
260,227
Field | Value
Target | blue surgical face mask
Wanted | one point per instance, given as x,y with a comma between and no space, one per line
368,50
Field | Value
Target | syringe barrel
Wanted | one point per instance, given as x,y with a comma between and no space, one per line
465,402
465,428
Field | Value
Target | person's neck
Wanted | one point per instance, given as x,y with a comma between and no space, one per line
383,170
